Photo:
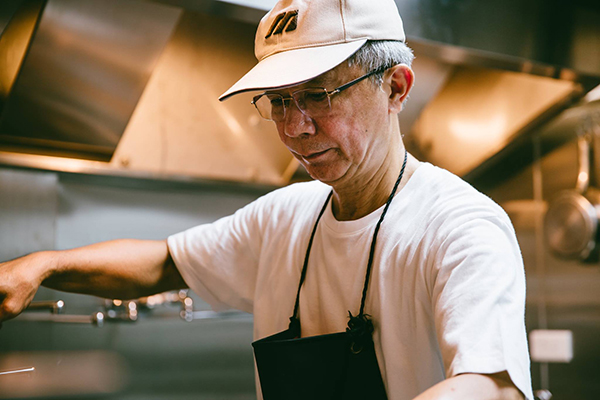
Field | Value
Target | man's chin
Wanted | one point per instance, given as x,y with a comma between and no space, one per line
327,176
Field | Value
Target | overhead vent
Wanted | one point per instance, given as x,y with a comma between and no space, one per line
74,75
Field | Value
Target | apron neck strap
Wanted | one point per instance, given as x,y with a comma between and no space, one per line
374,241
294,320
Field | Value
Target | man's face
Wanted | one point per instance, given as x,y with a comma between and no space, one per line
349,143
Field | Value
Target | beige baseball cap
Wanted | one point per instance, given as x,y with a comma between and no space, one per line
299,40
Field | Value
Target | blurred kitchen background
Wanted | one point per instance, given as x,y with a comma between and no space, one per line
110,128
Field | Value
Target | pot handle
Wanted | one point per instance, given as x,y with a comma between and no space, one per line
583,146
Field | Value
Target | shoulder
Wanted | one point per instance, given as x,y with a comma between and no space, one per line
466,223
437,207
451,200
296,195
291,201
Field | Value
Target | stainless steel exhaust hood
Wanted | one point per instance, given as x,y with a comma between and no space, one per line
81,77
15,39
136,83
79,91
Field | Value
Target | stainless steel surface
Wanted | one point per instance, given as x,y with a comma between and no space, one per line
551,32
177,298
437,31
7,11
570,226
583,176
479,111
237,315
96,319
178,131
55,307
529,36
180,127
558,133
250,11
120,311
102,173
571,222
457,55
158,306
18,22
83,75
17,371
543,395
28,209
539,253
519,36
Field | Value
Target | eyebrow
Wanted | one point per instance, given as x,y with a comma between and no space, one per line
323,80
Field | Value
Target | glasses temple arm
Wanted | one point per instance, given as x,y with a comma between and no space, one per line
357,80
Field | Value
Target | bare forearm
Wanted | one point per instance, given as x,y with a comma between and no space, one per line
116,269
473,387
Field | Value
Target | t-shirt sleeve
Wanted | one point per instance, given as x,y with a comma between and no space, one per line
219,261
479,302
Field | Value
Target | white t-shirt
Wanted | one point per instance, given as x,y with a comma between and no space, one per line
447,290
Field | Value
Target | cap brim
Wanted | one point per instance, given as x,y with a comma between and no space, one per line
293,67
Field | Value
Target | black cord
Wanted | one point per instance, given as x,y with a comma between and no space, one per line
374,241
304,267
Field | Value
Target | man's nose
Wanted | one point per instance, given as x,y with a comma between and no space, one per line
296,122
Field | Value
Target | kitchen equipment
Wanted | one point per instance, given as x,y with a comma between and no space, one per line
17,371
129,311
32,313
542,394
571,221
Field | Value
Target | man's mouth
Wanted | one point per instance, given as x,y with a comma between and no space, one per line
312,157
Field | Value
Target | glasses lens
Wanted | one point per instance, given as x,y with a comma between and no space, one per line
270,106
313,102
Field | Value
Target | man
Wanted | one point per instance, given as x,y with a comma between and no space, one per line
445,286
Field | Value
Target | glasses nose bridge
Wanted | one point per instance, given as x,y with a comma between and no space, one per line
292,108
296,121
292,101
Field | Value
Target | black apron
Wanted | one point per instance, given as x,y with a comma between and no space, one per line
340,365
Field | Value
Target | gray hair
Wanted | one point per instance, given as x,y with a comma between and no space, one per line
377,53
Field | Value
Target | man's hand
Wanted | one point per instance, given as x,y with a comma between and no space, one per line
19,281
121,269
474,387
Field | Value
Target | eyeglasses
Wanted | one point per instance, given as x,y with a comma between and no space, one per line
312,102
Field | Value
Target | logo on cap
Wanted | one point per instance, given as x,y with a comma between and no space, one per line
287,21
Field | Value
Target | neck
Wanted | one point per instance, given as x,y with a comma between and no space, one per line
357,201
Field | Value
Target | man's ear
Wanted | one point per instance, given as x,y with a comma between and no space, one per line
400,79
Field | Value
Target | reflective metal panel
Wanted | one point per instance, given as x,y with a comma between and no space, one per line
479,111
564,33
28,208
8,8
181,128
84,73
18,20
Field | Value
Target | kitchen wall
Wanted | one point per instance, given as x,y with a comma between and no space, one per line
561,294
160,356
